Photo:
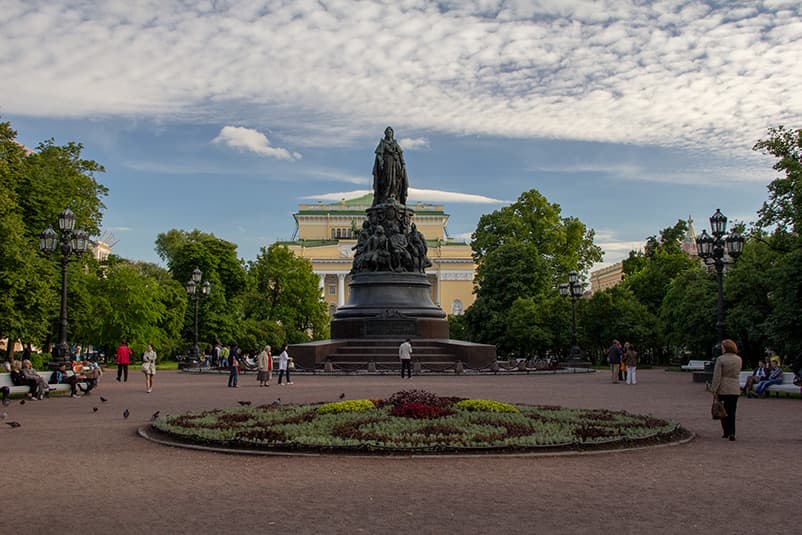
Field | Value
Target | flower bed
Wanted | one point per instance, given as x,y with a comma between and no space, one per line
415,421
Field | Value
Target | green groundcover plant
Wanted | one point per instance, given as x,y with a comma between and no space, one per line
415,421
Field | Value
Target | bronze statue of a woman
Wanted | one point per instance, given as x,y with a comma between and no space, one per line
389,171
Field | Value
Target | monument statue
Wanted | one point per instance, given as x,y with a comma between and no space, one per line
388,240
390,294
389,171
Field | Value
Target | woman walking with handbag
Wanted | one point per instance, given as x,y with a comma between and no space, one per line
725,385
264,362
149,367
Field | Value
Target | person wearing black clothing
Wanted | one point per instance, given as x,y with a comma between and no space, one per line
233,368
614,354
18,378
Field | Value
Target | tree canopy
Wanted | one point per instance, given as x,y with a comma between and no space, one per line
523,251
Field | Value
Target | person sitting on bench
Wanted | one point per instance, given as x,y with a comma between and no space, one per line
59,376
39,388
761,373
775,378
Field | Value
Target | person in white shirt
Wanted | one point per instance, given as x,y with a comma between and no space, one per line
405,356
283,365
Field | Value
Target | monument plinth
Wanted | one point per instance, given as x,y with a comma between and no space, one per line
390,296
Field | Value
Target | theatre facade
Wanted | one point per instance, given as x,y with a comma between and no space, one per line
326,236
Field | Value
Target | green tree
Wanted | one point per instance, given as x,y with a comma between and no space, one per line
539,324
57,177
784,206
136,301
649,273
688,311
25,294
220,315
34,187
782,213
615,313
284,296
748,293
522,251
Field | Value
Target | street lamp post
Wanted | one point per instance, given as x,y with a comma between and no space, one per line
195,296
74,242
573,289
718,251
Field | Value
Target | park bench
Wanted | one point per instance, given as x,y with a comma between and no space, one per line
5,380
787,386
695,365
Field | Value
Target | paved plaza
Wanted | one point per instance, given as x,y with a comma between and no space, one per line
80,471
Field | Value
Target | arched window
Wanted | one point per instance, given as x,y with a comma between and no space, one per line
456,307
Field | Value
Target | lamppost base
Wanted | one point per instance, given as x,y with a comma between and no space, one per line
58,358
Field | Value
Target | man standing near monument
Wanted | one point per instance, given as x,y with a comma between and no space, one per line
405,356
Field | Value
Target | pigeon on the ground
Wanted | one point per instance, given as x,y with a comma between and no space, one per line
94,409
104,400
244,403
126,413
22,402
13,424
3,415
277,402
342,395
154,416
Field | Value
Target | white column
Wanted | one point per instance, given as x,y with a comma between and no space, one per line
340,289
322,285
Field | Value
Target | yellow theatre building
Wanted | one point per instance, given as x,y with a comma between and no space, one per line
326,234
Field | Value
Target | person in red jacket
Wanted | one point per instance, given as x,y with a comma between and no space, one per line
123,360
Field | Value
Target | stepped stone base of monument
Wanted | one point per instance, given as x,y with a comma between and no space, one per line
358,352
385,308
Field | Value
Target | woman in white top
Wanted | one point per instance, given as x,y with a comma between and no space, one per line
283,365
149,367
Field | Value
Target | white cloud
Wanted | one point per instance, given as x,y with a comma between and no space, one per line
464,236
333,197
247,139
410,143
715,173
688,74
415,195
433,195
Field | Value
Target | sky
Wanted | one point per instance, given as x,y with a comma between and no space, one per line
226,115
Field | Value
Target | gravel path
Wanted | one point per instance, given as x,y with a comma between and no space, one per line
108,480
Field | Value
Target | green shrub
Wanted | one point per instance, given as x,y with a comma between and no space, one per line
485,405
352,405
38,361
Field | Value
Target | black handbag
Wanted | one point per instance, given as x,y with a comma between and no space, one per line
717,411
